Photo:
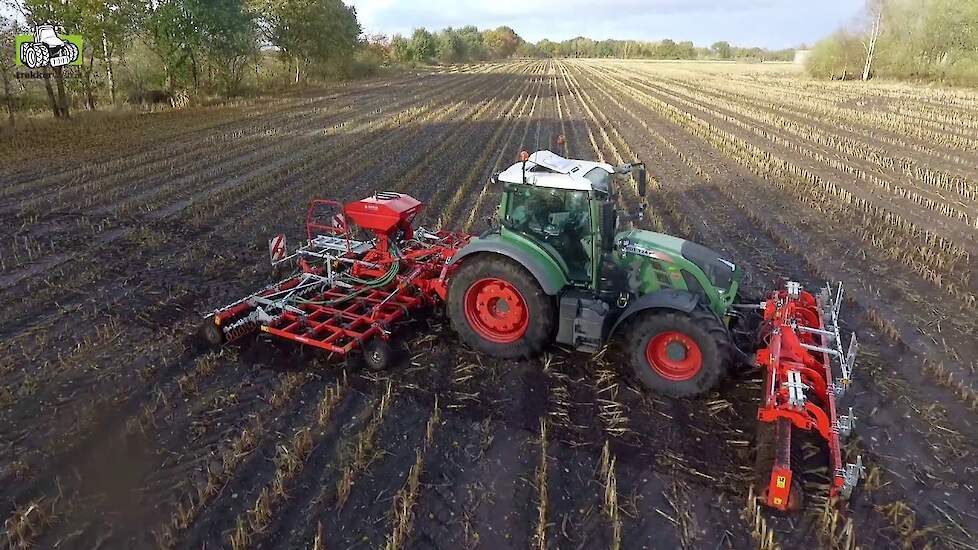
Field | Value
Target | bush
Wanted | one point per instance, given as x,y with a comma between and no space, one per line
839,57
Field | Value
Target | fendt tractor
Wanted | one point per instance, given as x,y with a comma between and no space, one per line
559,266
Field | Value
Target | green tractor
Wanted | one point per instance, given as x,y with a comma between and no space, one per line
557,267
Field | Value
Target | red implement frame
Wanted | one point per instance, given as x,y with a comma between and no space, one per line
342,316
799,387
341,325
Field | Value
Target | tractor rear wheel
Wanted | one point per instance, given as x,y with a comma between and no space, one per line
679,354
497,307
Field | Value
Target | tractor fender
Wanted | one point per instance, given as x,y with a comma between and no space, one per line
669,298
543,268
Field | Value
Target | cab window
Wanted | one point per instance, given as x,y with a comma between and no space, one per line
559,220
600,179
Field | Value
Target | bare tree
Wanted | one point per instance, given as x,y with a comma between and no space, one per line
874,9
109,73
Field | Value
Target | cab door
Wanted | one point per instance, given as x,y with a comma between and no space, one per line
559,221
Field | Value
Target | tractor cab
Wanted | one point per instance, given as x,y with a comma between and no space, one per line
558,205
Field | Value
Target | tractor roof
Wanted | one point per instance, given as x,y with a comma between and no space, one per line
547,169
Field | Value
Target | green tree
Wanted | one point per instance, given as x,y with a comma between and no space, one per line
400,49
547,48
451,47
911,39
310,31
475,49
67,15
722,49
837,57
189,34
423,45
667,49
8,30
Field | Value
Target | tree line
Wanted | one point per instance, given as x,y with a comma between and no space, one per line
178,51
923,40
469,44
156,50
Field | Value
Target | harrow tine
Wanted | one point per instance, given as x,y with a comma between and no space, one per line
850,360
837,306
851,474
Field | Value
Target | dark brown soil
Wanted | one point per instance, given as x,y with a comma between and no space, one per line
115,418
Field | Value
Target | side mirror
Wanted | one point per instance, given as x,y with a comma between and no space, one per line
609,223
643,182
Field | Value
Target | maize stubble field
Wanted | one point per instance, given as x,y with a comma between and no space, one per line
119,428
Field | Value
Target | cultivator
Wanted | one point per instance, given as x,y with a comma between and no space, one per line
347,293
802,348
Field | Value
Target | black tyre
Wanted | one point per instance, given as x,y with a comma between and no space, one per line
378,354
498,308
679,354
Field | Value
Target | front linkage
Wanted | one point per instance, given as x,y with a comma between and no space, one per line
802,346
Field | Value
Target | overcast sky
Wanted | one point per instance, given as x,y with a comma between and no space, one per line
766,23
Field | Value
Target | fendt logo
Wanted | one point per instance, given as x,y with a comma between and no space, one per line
45,48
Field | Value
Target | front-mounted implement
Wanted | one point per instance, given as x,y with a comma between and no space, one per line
807,370
558,266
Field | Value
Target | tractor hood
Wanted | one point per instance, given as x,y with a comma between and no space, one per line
675,255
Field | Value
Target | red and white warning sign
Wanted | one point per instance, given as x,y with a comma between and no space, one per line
276,248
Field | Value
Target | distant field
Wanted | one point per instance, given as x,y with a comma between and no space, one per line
118,428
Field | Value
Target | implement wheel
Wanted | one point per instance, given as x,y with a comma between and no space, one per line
212,333
378,354
679,354
498,308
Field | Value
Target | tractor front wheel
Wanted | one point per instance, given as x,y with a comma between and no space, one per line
497,307
679,354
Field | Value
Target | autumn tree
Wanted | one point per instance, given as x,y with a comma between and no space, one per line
501,42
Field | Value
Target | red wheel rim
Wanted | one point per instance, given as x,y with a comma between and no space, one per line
496,310
674,356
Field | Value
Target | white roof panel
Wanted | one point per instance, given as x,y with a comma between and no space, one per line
548,169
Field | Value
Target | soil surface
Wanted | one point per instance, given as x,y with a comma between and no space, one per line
120,428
